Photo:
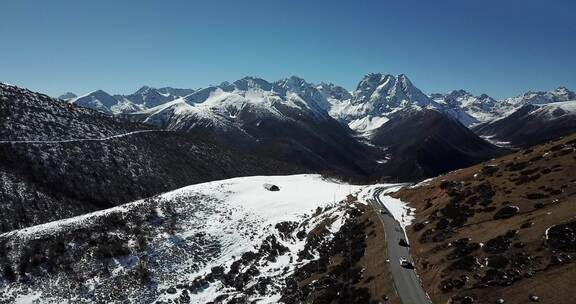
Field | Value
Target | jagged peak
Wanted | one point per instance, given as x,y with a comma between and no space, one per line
460,92
294,84
404,78
144,89
250,82
295,80
562,90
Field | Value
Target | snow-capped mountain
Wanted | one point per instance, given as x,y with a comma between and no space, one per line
175,92
286,119
538,97
384,93
296,88
144,98
476,108
375,98
532,124
228,105
378,96
529,119
147,97
318,127
334,93
291,120
97,100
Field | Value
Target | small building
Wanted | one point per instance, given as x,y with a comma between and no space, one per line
271,187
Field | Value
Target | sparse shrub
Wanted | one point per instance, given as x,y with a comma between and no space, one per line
142,272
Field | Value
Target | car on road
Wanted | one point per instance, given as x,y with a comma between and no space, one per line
383,212
405,263
403,243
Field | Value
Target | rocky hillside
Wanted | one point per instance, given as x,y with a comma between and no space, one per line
499,232
27,115
58,160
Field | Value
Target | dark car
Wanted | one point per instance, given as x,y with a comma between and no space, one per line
403,243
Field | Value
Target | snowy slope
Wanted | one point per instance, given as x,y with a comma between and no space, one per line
556,109
187,234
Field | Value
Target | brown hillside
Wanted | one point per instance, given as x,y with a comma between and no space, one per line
501,230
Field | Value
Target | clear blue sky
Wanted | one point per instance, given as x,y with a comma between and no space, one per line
501,48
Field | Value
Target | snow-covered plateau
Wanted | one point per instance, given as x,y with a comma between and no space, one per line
197,244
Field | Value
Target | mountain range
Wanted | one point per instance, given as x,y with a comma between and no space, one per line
369,106
324,127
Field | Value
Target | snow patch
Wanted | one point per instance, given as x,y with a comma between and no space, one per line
400,210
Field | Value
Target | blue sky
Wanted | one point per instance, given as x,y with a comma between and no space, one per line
501,48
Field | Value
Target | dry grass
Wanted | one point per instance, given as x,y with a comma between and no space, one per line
552,284
377,277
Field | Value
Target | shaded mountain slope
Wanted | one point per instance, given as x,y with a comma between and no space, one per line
27,115
532,124
286,120
45,181
426,143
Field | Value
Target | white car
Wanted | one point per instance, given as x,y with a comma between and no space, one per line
405,263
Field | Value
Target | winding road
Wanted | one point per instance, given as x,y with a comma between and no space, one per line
79,139
406,281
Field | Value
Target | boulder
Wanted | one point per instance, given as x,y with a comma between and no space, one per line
562,237
506,212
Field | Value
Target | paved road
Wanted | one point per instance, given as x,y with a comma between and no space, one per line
78,139
406,281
